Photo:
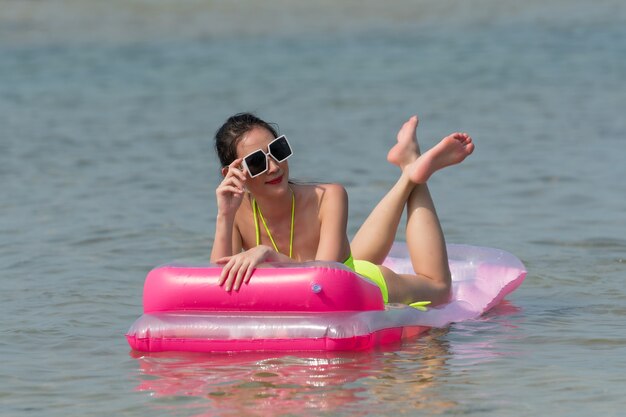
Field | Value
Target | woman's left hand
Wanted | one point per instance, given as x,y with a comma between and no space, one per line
238,268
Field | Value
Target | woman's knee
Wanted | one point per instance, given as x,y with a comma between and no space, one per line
408,289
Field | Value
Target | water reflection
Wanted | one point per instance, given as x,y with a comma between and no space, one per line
399,379
258,384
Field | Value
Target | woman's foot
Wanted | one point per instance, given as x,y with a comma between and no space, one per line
407,149
451,150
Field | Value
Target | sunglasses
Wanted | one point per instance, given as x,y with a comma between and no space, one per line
256,163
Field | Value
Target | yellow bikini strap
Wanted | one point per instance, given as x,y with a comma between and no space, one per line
257,229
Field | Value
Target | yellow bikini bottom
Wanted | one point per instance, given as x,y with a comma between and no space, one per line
370,271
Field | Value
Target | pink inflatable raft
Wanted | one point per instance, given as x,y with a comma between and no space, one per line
313,306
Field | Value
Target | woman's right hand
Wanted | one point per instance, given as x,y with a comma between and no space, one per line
238,268
231,190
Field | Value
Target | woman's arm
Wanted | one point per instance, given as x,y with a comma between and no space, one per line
227,241
229,195
333,244
238,268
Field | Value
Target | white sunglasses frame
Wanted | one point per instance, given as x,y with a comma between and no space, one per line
268,153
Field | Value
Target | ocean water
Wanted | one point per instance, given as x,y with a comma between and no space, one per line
107,112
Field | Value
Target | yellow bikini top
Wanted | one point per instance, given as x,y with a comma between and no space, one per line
257,229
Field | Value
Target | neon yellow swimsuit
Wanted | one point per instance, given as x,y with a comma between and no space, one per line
370,271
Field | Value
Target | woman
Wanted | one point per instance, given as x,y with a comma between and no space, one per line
262,217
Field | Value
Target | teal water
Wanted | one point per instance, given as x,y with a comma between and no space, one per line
107,110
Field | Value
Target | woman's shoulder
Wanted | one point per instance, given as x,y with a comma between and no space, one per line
334,190
323,191
324,199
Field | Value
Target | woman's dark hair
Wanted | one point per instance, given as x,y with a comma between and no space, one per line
227,136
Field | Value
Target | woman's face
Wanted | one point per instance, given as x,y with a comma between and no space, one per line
275,178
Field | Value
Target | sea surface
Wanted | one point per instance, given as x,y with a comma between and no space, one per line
107,114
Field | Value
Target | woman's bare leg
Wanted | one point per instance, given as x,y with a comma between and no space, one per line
374,238
425,239
427,250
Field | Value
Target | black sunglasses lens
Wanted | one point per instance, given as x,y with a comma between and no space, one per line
280,149
256,163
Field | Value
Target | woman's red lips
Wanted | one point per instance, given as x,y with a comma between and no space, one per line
275,180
